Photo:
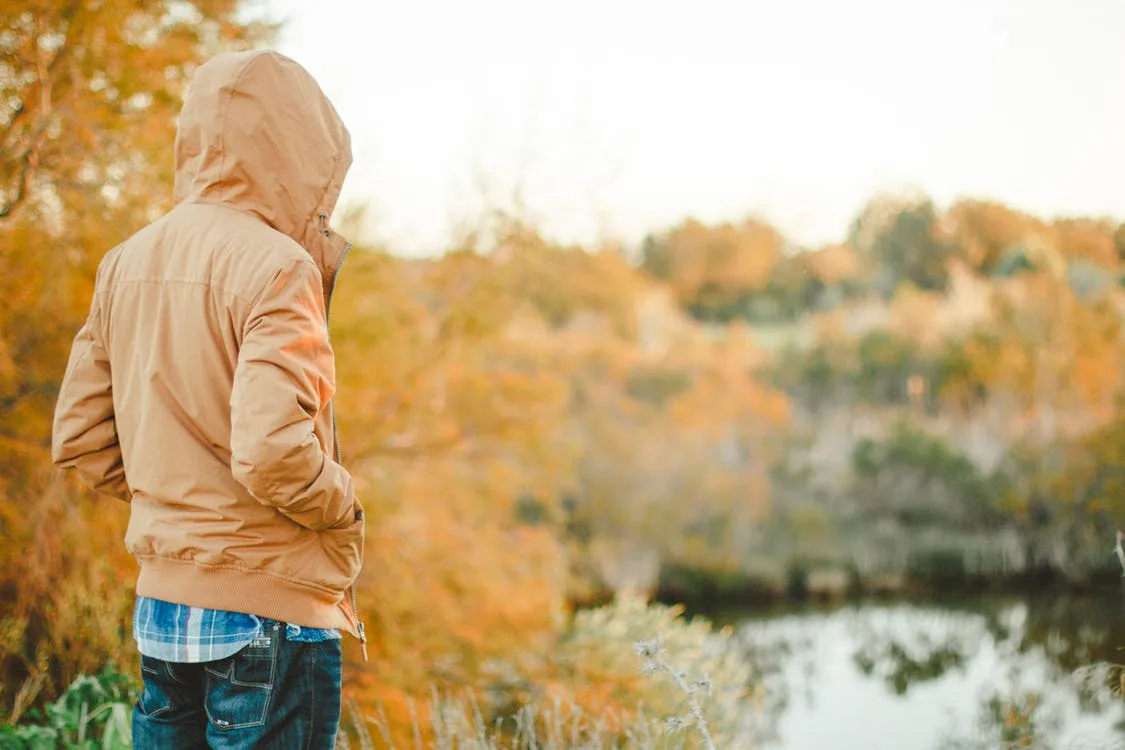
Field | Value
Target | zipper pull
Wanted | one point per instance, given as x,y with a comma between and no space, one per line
363,640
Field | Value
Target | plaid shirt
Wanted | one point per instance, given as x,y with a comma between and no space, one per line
178,633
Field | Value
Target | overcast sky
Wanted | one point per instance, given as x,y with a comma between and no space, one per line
623,116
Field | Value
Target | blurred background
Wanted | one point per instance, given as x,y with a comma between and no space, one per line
788,332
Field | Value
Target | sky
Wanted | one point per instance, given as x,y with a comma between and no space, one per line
614,118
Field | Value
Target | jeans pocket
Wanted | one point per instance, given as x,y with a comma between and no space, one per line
239,688
154,699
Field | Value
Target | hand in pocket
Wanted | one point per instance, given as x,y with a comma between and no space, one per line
344,549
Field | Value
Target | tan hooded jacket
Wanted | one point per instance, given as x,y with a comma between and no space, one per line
200,388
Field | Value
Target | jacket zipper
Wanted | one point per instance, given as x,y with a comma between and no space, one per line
327,309
336,435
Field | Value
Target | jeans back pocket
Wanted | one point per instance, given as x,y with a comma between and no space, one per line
155,698
240,687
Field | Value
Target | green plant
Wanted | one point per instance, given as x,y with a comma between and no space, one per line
94,712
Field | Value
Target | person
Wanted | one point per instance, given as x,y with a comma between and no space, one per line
200,391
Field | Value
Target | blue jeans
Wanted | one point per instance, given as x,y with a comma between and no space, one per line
275,694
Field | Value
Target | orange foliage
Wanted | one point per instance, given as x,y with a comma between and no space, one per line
708,264
833,264
986,230
471,407
1088,239
87,113
527,428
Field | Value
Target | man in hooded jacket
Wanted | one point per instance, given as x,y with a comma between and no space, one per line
200,392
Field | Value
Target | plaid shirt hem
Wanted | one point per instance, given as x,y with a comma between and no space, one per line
190,635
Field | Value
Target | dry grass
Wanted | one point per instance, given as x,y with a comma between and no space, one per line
655,702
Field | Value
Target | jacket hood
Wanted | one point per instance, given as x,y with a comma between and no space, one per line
257,134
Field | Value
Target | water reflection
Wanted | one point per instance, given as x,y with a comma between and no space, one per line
984,673
925,651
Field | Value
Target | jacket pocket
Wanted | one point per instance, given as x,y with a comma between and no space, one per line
344,549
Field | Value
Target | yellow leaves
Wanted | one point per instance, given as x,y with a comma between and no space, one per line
1087,239
442,591
451,422
833,264
567,286
987,230
708,266
1056,349
477,393
86,128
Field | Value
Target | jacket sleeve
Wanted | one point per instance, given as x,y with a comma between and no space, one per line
84,434
285,376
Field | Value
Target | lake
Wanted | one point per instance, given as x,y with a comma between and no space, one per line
952,673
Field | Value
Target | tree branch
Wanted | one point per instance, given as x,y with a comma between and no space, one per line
29,159
23,182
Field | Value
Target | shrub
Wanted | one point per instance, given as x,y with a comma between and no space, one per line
94,712
601,663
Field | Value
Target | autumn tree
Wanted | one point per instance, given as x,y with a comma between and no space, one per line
561,282
89,93
715,270
88,98
904,240
674,449
986,231
1087,239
